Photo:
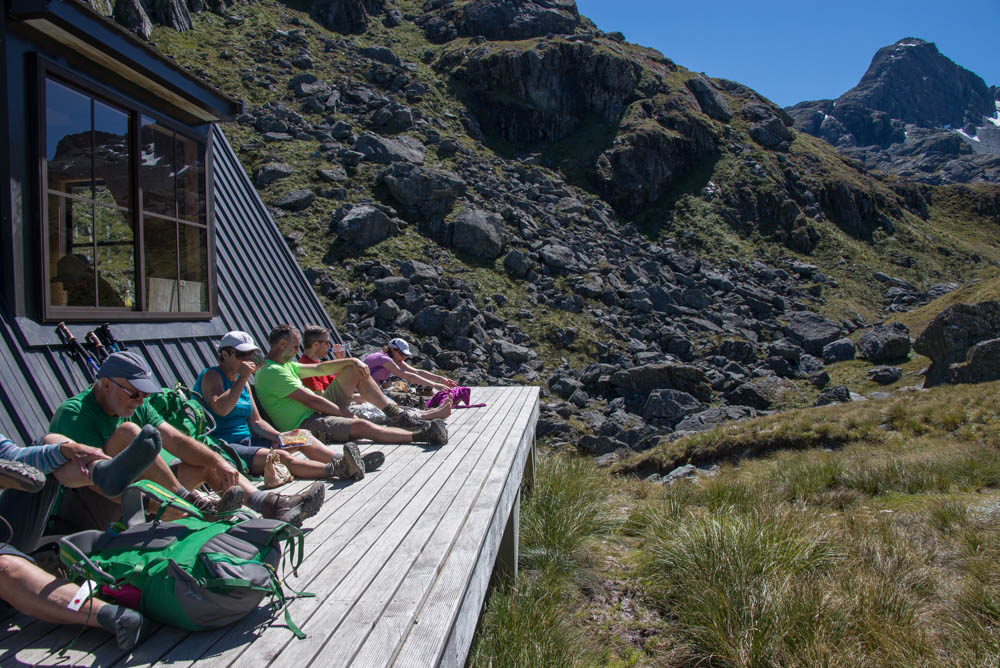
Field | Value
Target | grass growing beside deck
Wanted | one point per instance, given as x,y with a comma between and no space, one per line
533,622
871,540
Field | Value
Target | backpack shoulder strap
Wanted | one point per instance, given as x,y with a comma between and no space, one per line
133,511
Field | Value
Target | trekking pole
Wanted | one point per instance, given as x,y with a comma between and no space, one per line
99,349
89,365
110,342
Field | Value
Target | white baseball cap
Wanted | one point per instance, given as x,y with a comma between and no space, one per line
402,346
241,341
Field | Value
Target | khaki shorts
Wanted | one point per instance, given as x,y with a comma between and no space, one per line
335,394
329,428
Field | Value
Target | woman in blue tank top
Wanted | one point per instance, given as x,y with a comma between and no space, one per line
226,390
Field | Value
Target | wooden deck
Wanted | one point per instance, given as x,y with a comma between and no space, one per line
399,562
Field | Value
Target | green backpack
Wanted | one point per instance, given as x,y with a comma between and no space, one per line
189,573
182,410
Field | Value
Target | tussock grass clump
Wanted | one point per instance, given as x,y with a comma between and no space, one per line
567,507
739,587
534,620
528,624
883,551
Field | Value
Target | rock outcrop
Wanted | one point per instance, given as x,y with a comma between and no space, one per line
952,333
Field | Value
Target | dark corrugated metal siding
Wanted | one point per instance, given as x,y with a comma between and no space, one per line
259,285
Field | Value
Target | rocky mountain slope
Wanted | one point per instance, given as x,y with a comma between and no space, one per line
914,113
530,199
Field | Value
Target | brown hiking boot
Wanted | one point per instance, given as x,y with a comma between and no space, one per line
294,508
349,467
434,432
212,507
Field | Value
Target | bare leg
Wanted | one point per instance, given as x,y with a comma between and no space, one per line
351,379
34,592
378,433
190,476
317,452
441,411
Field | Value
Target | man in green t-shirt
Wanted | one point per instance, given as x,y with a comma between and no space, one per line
291,405
110,414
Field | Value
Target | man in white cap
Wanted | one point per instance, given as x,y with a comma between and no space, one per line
291,405
110,414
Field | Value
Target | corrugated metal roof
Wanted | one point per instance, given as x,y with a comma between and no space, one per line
259,285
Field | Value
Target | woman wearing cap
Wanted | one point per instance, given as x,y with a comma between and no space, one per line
392,362
239,423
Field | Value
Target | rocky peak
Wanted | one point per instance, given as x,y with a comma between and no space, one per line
913,82
914,113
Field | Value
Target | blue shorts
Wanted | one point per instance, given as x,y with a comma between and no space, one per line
248,448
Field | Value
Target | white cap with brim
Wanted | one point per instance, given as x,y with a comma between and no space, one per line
241,341
131,367
402,346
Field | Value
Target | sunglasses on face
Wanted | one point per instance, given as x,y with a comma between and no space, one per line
132,394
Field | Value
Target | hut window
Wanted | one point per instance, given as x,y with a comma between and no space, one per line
126,211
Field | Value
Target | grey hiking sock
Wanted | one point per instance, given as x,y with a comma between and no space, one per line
256,500
112,476
126,624
392,409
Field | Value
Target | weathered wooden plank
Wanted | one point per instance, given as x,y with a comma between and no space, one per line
327,539
212,645
352,569
390,629
445,507
26,632
394,560
462,584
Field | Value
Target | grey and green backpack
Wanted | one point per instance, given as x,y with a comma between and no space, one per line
189,573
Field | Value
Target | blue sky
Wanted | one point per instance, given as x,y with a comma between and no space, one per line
795,51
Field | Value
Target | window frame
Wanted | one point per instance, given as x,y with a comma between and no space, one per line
45,70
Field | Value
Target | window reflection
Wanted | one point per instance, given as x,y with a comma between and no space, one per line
156,171
194,268
68,139
190,180
92,244
160,256
112,183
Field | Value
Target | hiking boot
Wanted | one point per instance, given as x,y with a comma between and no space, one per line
435,432
20,476
294,508
212,506
405,420
349,467
373,460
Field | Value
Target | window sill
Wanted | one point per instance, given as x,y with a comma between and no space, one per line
33,333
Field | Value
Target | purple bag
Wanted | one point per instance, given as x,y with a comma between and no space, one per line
458,395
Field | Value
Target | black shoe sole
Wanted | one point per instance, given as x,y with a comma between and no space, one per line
373,460
20,476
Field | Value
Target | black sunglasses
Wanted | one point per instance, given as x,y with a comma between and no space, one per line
132,394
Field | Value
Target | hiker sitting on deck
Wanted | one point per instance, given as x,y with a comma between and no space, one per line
316,345
110,414
392,362
238,422
291,405
25,502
